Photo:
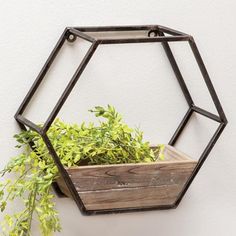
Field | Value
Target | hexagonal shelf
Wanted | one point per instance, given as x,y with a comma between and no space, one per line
127,187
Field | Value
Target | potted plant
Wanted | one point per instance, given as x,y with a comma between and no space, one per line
82,148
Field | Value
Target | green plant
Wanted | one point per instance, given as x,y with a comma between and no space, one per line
109,142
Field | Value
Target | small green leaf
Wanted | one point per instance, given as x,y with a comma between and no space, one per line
3,205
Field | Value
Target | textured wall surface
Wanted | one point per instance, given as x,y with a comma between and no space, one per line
138,80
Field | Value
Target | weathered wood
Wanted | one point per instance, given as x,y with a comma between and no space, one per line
131,197
128,176
132,185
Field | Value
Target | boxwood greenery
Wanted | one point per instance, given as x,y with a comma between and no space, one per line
111,141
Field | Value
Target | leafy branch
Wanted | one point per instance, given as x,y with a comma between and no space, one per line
110,142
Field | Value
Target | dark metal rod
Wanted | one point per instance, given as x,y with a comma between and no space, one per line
177,72
115,28
127,210
65,176
202,160
207,79
181,127
22,126
144,40
207,114
82,35
42,73
28,123
70,86
170,31
22,122
130,28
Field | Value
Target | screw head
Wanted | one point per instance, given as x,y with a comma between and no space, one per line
71,38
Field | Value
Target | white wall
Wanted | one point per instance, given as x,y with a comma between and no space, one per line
147,95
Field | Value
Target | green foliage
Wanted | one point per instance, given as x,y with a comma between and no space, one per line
110,142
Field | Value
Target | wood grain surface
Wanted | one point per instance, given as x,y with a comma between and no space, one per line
132,185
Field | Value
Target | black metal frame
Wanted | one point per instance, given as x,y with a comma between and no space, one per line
154,33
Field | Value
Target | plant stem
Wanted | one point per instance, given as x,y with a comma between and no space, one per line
32,207
24,174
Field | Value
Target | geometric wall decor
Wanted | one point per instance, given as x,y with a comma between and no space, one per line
151,34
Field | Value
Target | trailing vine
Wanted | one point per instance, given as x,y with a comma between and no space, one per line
109,142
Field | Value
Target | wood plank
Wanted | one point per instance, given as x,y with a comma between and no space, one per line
131,176
171,153
129,198
174,170
132,185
